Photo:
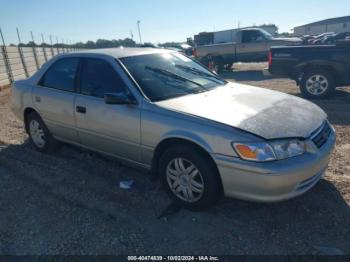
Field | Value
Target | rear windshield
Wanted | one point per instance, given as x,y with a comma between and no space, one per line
168,75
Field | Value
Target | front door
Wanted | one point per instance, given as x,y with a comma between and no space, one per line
111,129
253,47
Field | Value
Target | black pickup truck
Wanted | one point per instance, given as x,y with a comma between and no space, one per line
318,70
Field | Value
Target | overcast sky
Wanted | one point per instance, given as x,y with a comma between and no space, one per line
161,20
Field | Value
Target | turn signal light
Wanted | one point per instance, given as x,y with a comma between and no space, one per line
270,58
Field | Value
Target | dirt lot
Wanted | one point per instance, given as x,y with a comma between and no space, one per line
70,202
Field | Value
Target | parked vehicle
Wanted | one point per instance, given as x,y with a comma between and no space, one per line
318,70
338,37
148,45
251,45
161,111
186,49
306,39
317,40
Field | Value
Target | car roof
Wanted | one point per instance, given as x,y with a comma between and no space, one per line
122,52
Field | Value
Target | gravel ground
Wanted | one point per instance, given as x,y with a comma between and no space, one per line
70,202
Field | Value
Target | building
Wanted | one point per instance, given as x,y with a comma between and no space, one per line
336,25
204,38
227,36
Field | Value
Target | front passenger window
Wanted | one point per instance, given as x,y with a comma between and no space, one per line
99,78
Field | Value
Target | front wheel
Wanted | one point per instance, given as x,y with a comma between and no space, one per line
317,84
190,178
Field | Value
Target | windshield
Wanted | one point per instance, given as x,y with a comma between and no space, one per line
266,34
167,75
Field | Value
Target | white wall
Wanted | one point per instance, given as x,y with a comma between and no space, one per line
319,29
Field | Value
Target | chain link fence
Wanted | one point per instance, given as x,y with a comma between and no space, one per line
18,62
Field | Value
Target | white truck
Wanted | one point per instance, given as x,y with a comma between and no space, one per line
248,45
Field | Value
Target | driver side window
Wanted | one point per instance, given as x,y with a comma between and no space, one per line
252,37
98,78
259,37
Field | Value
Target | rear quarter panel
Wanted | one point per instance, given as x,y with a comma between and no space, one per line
21,98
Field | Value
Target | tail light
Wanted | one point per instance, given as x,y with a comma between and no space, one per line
194,52
270,58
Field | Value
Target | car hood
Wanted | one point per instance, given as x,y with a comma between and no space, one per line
265,113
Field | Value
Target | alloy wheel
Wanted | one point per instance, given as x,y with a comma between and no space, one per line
185,180
37,133
317,84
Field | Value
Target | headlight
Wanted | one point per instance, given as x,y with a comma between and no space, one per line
274,150
288,148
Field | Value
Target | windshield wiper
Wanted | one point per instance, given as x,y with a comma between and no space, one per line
173,75
199,72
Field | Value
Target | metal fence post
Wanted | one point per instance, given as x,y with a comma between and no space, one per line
6,59
43,45
20,51
52,54
34,52
63,48
58,50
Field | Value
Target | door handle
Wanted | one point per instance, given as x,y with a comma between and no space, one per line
38,99
81,109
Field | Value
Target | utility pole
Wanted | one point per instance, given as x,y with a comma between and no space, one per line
138,27
132,35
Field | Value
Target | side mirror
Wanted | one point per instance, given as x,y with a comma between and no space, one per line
118,99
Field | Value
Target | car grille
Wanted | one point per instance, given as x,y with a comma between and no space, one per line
321,136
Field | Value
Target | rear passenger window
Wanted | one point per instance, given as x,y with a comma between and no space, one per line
98,78
61,75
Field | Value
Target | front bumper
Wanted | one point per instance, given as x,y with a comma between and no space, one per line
278,180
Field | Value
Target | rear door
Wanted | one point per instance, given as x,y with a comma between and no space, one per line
253,47
111,129
54,96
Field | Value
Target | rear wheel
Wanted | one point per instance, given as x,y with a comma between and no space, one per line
189,178
39,134
218,65
317,84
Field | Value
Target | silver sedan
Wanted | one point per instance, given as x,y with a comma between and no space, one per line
159,110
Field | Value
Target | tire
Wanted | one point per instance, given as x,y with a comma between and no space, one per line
205,185
39,134
218,64
314,81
